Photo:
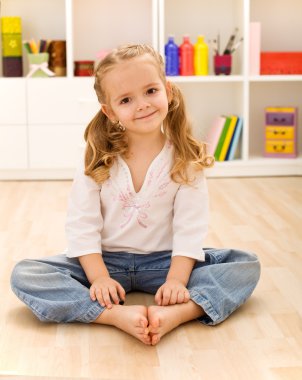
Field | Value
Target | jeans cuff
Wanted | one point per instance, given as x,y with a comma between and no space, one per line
211,317
92,313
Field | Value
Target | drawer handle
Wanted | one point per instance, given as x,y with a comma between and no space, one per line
279,133
282,119
279,148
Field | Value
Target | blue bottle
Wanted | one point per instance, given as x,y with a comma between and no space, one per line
172,58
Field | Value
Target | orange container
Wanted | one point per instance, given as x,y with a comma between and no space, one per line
281,63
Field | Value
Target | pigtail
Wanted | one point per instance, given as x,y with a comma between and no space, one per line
104,142
187,150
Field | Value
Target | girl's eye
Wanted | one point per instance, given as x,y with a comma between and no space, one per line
125,100
151,91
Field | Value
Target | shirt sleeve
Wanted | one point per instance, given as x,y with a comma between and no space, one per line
84,220
190,221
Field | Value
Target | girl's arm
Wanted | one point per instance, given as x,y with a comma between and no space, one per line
180,269
190,224
84,221
103,288
174,290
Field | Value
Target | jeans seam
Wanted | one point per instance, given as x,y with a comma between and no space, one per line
206,305
30,305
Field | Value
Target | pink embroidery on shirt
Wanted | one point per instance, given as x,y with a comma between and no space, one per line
133,207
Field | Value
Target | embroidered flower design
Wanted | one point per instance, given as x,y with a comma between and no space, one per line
134,207
137,205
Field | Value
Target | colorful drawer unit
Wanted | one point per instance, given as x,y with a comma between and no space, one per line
281,127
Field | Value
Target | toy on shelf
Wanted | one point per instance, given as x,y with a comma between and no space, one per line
201,57
186,57
172,57
83,68
281,132
11,46
57,57
38,58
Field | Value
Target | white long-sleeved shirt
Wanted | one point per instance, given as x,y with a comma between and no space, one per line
163,215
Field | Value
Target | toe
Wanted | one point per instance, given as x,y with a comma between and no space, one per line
155,339
154,324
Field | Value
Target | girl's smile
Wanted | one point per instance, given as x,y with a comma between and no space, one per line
146,116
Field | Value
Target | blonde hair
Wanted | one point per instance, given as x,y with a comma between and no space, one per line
105,140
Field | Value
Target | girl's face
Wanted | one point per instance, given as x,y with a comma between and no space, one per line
136,96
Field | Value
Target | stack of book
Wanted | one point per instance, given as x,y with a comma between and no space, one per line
223,137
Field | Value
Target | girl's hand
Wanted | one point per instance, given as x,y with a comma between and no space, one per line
171,293
106,290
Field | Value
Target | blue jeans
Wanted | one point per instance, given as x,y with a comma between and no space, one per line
56,289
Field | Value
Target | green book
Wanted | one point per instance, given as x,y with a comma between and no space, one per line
222,137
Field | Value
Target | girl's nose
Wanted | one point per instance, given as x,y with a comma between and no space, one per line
143,105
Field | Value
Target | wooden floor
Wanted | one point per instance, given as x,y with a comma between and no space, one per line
261,340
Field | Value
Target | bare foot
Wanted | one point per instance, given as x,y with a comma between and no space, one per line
131,319
163,319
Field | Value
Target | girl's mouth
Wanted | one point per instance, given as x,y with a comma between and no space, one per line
146,116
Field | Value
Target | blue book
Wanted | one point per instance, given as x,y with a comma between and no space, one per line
235,139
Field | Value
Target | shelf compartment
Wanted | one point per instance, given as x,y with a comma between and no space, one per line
40,20
206,102
104,25
275,94
198,17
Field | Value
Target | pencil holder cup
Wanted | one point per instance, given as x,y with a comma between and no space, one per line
223,64
38,65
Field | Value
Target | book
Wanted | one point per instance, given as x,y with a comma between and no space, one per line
222,138
214,133
228,138
235,140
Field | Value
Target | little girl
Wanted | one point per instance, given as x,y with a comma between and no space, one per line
137,216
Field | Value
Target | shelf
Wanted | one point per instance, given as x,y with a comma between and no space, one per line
206,79
276,78
257,167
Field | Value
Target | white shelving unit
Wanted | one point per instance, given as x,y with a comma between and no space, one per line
42,120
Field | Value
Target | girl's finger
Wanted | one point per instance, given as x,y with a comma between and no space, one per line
158,296
121,292
92,293
187,296
174,297
166,296
99,296
113,295
106,298
180,297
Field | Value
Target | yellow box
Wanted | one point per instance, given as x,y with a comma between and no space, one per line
282,133
11,25
280,147
280,109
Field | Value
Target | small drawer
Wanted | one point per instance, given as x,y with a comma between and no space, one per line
281,147
279,118
284,133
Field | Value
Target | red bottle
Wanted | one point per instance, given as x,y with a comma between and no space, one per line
186,57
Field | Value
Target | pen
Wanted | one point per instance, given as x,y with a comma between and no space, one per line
218,43
235,47
230,43
215,46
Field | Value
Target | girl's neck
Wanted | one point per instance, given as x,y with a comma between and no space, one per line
146,143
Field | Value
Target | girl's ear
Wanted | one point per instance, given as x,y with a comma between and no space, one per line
169,91
108,112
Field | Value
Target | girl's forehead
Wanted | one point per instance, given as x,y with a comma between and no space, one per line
144,63
134,72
